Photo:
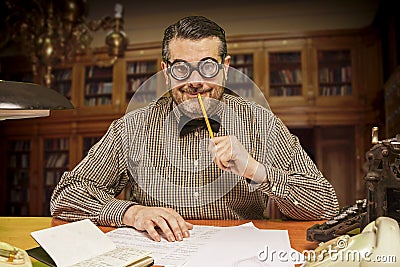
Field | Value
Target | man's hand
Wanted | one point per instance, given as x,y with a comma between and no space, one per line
143,218
230,155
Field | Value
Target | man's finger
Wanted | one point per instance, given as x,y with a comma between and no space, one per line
165,228
149,227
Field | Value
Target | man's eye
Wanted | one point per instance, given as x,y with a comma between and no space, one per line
209,67
180,69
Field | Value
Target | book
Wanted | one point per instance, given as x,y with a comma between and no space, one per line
82,243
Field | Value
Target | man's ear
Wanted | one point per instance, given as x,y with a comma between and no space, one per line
227,61
163,65
164,69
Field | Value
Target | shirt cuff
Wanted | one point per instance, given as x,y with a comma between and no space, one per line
112,213
276,183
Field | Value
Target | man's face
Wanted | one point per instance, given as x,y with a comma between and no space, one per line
186,91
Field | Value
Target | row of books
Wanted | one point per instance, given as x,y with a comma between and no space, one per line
52,177
20,145
242,59
144,86
286,91
290,57
19,178
98,101
19,195
237,77
141,67
18,160
141,97
98,88
63,88
339,74
62,74
342,90
19,210
245,93
56,160
55,144
133,84
93,72
286,76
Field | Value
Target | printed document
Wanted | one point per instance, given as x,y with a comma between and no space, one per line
236,246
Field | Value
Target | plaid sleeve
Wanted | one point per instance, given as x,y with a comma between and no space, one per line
294,182
90,189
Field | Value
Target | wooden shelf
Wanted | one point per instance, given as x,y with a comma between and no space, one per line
18,177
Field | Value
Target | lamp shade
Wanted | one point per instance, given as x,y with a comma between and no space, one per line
24,100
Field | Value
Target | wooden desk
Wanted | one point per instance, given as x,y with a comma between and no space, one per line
297,229
16,230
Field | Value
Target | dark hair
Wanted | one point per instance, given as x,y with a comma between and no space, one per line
193,28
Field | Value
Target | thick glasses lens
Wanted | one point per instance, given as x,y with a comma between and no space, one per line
182,70
209,68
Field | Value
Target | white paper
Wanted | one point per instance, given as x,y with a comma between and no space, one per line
212,246
118,257
241,246
75,242
165,253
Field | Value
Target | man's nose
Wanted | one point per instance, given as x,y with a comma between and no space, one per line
195,79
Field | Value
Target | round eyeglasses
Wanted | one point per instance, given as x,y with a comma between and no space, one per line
181,70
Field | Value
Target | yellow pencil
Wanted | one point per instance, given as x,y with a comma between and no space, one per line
205,116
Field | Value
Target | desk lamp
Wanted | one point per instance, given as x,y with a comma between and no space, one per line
20,100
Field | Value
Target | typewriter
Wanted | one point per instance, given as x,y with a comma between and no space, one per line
382,183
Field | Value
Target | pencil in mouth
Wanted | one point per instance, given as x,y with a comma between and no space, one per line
205,115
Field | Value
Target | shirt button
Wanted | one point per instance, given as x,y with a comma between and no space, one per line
112,224
196,134
274,188
296,202
196,194
196,162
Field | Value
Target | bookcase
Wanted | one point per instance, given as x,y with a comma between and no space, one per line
337,65
137,72
87,143
246,59
98,85
334,73
285,75
55,163
18,177
319,84
63,81
241,84
288,72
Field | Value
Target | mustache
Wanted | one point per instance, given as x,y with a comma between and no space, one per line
193,90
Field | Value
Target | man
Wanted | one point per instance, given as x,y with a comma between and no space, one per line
176,176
